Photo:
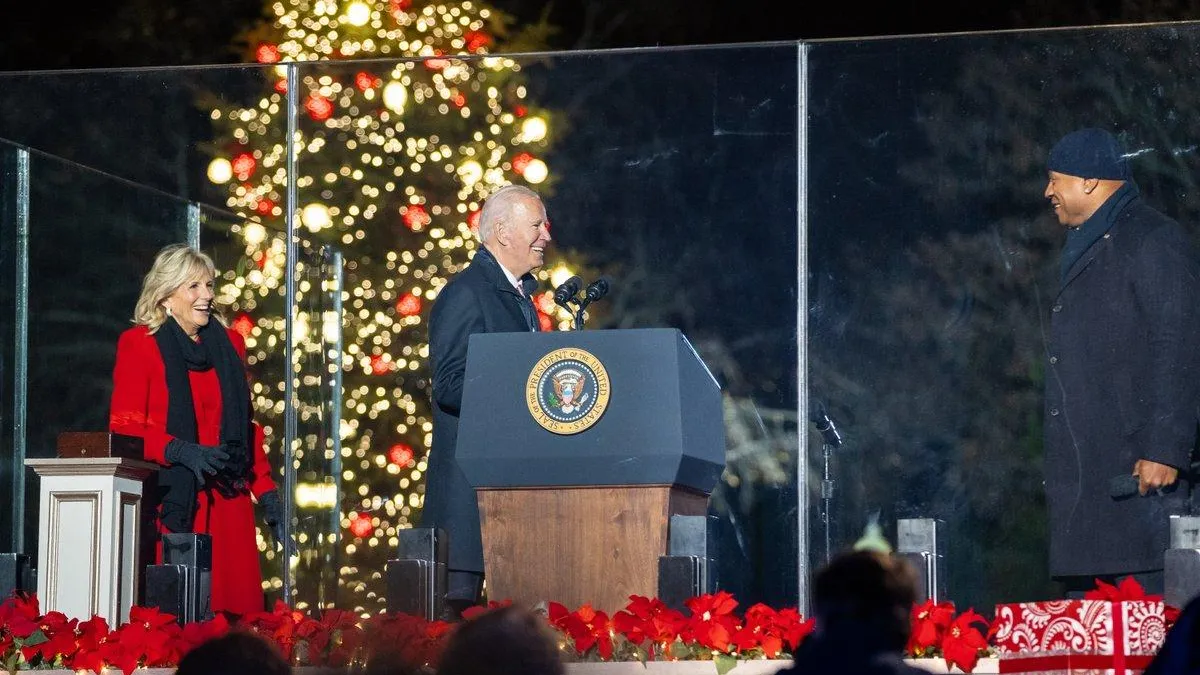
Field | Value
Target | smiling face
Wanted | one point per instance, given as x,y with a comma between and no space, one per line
191,303
1070,198
523,236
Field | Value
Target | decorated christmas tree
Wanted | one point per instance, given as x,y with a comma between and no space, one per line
393,160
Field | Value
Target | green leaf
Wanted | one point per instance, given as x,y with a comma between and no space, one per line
725,663
35,638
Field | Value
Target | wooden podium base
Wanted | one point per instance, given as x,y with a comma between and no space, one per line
596,545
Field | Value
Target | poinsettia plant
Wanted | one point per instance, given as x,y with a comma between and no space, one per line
647,629
938,632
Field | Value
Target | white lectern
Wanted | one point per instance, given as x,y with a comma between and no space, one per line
90,532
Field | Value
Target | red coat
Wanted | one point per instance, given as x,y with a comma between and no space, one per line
139,408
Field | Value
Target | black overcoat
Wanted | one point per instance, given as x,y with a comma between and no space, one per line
1122,384
479,300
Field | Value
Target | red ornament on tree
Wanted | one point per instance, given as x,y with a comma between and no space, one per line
477,40
361,526
243,325
437,64
545,323
319,108
521,161
408,305
473,221
544,302
281,86
520,111
380,365
415,217
244,165
459,100
264,206
400,454
364,81
398,7
266,53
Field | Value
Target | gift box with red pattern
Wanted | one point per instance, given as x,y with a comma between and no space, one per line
1114,635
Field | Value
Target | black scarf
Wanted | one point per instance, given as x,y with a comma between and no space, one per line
1080,239
177,484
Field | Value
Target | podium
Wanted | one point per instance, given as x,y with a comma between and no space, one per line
581,446
91,519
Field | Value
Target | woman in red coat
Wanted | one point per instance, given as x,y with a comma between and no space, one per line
180,384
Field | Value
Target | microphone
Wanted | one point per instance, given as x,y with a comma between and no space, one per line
824,424
596,290
567,292
1124,487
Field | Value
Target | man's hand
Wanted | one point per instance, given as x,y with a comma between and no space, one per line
1153,476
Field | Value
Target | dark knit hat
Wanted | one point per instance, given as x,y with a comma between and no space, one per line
1089,153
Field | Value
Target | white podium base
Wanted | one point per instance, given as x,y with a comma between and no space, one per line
90,527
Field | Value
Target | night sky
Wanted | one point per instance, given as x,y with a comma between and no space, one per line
119,33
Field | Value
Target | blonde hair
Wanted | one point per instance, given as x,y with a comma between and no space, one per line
174,266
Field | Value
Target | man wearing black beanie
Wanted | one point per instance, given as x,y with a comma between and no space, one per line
1122,370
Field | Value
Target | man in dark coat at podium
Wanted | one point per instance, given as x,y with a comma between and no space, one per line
1122,371
491,296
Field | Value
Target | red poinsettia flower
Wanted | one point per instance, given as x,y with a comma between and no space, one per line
587,627
91,636
410,639
636,621
345,636
712,623
19,614
198,632
1126,589
963,641
59,632
793,627
650,624
929,623
150,639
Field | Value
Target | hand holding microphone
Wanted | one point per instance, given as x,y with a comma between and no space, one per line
1148,478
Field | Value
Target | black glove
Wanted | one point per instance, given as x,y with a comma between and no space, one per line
273,514
201,459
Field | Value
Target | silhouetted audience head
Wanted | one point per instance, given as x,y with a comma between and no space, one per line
866,593
503,641
235,653
1180,652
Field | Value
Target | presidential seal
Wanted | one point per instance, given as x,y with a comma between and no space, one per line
567,391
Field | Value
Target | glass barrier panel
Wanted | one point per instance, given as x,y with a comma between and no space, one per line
685,196
14,175
251,260
317,365
92,238
159,127
933,259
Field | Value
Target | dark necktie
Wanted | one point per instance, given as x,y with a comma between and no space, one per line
530,312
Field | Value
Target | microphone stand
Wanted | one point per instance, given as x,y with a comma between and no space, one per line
580,305
826,496
830,440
